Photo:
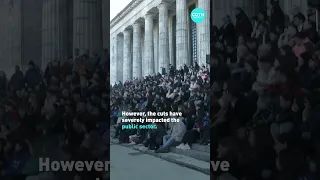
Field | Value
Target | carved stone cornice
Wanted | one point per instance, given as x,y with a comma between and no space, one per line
133,4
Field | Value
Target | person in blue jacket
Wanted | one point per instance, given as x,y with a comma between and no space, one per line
17,162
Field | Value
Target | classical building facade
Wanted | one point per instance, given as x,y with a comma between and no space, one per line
46,30
252,7
148,35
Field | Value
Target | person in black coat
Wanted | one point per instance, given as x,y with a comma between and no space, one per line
227,30
277,16
243,23
219,71
263,37
32,76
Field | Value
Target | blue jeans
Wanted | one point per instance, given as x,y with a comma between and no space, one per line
167,142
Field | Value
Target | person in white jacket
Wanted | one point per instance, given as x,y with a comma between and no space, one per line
176,134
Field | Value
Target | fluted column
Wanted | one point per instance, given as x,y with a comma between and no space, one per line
15,33
163,36
127,60
54,32
246,5
113,62
87,26
10,35
137,68
204,32
148,45
106,23
155,47
143,61
119,57
181,33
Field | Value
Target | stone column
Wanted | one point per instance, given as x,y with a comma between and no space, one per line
113,62
148,45
10,36
143,65
155,47
96,24
15,33
119,57
247,6
204,32
106,23
219,10
87,25
137,69
127,60
164,60
182,34
171,45
291,7
54,31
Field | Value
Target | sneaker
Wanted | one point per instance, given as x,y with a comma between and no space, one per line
132,143
157,151
180,146
205,143
161,151
143,148
187,147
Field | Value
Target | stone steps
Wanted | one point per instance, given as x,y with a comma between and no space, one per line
201,148
200,155
179,159
195,146
197,158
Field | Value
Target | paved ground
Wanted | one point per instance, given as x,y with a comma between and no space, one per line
128,164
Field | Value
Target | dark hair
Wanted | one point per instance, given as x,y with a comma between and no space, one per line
274,2
265,16
306,56
234,89
254,18
252,40
266,59
301,35
287,95
300,16
263,138
286,157
31,63
230,42
24,107
265,25
76,91
288,50
313,98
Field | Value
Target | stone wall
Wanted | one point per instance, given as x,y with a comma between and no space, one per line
221,8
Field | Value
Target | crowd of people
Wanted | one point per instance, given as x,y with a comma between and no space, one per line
63,108
265,74
186,90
